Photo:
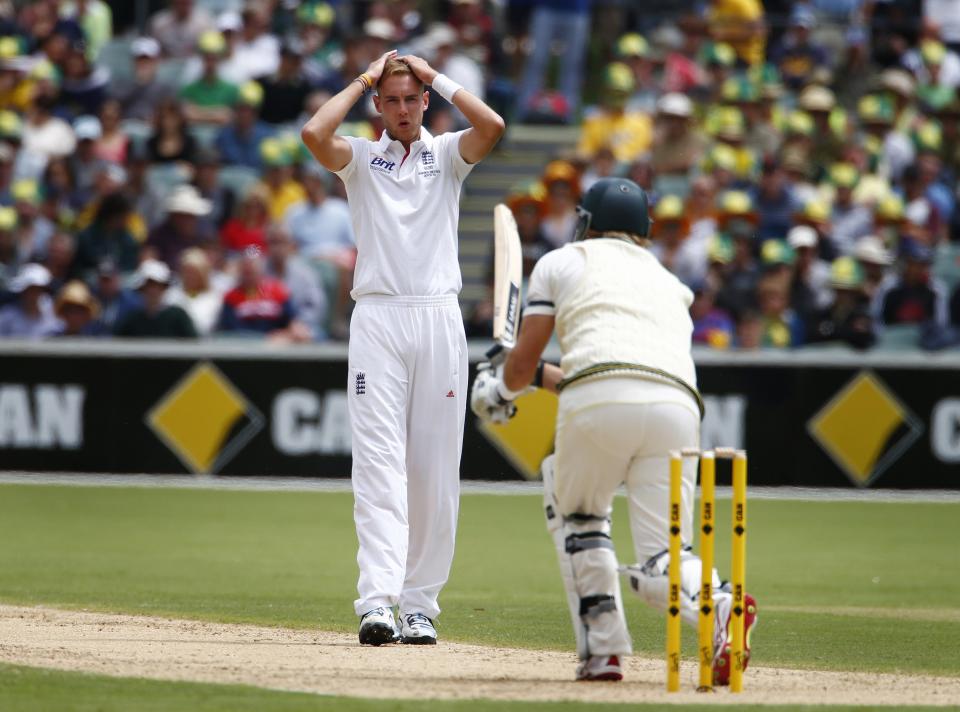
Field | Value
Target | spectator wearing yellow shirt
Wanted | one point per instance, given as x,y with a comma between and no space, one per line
739,23
627,133
284,191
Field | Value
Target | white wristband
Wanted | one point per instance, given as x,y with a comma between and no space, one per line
505,393
445,86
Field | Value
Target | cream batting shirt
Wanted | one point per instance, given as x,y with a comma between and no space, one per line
405,208
614,302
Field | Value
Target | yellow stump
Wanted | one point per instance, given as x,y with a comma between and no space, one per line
673,597
708,477
738,569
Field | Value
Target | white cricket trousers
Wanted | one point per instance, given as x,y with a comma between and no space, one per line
620,430
407,389
613,431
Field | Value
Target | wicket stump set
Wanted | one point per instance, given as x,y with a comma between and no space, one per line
708,476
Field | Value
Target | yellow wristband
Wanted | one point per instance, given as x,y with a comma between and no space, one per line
366,80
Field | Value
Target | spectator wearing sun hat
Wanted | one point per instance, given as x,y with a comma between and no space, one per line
282,189
737,221
933,64
84,162
11,257
315,25
239,141
77,310
627,133
210,98
849,220
847,318
633,50
195,293
810,288
875,260
741,24
562,183
670,232
31,316
154,319
679,144
140,94
182,227
892,148
34,229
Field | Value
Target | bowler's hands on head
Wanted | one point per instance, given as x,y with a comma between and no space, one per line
486,402
375,70
425,73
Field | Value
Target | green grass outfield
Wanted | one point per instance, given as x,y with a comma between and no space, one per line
25,689
840,585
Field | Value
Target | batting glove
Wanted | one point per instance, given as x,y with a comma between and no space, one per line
486,399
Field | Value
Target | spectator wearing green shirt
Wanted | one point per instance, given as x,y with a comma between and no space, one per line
209,100
154,319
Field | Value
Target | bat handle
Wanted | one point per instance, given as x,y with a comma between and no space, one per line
496,354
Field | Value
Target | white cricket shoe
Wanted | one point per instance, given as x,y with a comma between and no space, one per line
600,667
377,627
417,629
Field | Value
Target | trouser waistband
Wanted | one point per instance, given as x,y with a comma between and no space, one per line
440,300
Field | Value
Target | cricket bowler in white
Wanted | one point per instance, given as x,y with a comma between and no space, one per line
628,397
407,377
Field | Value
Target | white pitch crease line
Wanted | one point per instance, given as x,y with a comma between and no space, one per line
469,487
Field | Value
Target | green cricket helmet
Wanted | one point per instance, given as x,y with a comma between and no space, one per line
613,205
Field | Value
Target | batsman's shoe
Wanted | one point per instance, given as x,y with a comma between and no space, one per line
377,627
600,667
721,644
417,629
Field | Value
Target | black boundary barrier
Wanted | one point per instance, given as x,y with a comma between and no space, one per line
830,418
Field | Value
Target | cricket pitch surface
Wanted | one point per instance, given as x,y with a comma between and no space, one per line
334,664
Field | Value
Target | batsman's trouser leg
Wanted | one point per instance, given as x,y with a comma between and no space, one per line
591,462
377,398
434,442
669,426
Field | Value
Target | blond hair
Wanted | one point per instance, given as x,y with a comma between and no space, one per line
395,68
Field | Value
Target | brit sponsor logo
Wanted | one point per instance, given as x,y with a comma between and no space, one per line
361,384
382,165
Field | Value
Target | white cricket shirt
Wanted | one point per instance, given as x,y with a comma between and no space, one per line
405,208
614,302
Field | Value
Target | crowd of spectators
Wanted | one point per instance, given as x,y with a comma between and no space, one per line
802,168
801,157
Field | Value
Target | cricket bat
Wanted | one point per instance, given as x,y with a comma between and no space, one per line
507,273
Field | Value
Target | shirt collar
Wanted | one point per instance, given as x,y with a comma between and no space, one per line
426,138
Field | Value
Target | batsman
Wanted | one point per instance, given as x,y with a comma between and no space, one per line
628,396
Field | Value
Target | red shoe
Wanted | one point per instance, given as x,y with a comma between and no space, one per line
600,667
721,658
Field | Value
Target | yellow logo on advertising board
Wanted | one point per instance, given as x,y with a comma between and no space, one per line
205,420
526,438
864,428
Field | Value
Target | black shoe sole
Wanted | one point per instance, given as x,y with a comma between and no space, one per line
425,640
377,634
